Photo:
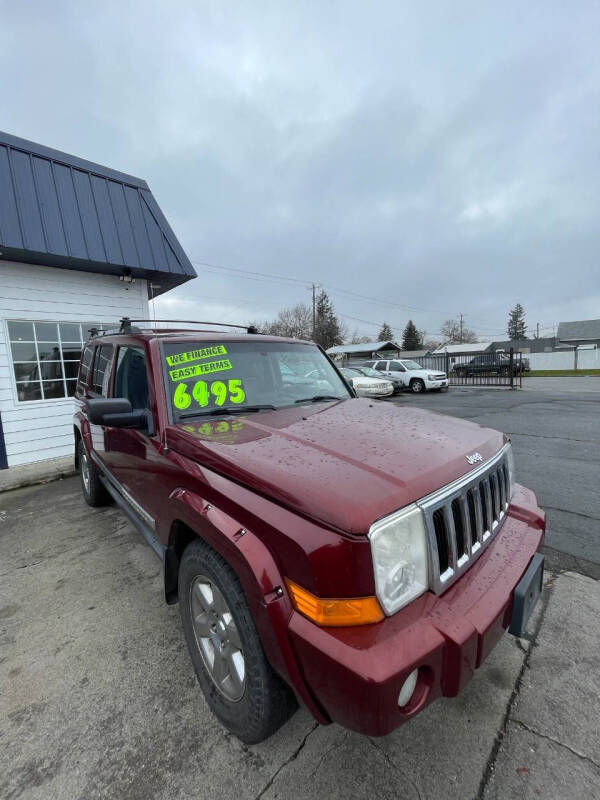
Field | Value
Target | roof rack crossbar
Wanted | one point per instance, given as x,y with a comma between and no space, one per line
127,321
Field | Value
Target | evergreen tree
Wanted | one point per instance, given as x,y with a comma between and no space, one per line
517,328
412,339
328,331
386,334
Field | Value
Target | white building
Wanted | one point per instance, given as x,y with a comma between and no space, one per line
80,246
458,349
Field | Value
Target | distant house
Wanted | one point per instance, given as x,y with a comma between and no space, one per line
366,350
414,353
458,349
541,345
582,332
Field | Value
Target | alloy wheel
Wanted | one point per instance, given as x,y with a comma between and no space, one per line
218,638
85,472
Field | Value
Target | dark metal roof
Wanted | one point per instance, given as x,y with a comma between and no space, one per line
581,330
61,211
533,345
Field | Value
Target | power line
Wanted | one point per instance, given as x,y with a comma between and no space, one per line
266,277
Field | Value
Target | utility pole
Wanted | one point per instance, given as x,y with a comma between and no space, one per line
537,329
461,328
314,309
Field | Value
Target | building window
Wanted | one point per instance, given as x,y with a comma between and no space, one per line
46,355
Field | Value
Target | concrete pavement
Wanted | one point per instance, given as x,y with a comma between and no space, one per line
99,700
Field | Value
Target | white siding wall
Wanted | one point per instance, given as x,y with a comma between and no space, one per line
43,429
586,359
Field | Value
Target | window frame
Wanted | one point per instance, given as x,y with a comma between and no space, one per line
38,363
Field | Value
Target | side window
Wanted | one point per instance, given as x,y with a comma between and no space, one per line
131,379
381,366
101,369
84,369
396,366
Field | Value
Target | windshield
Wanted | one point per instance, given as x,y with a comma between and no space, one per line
349,372
411,365
211,377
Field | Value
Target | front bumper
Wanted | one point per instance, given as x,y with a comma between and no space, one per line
355,674
375,392
436,384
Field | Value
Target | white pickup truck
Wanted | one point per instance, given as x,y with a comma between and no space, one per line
406,374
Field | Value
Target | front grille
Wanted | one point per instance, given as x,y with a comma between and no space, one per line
440,377
463,517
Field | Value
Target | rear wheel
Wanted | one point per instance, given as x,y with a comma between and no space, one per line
240,686
92,489
417,385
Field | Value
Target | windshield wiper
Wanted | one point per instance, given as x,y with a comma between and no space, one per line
319,398
226,410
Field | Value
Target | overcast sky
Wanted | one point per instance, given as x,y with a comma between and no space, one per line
438,157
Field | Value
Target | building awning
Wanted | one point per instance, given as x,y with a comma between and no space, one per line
58,210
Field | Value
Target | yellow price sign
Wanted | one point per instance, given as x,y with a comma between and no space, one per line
203,393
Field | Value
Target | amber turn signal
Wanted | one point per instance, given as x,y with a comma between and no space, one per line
334,612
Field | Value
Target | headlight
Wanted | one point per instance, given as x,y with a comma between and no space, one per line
510,463
400,561
432,377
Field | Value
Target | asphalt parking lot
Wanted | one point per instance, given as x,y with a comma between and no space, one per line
98,698
554,424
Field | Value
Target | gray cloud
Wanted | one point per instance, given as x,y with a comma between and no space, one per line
443,158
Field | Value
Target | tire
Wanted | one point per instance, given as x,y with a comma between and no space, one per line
250,700
93,491
417,385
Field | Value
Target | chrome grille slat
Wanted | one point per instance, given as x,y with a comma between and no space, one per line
502,485
451,535
488,505
462,519
495,487
478,513
464,510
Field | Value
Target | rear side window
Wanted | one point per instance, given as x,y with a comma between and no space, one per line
381,366
101,369
84,369
131,379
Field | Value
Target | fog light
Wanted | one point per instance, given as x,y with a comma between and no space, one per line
408,687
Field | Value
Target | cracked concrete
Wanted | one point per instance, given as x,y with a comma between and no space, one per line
551,743
98,698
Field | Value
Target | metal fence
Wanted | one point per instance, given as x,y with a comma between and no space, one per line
479,369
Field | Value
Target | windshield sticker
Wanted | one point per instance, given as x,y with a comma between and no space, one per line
183,373
197,355
203,393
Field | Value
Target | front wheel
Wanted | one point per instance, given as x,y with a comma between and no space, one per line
92,489
417,385
240,686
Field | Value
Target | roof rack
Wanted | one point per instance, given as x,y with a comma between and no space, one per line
126,324
127,327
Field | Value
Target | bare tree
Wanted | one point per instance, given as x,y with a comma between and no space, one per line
295,322
455,333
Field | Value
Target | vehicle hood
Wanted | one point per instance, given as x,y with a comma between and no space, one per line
345,463
424,373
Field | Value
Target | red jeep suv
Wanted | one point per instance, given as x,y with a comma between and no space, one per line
357,556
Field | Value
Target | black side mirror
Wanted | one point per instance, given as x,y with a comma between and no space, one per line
116,412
